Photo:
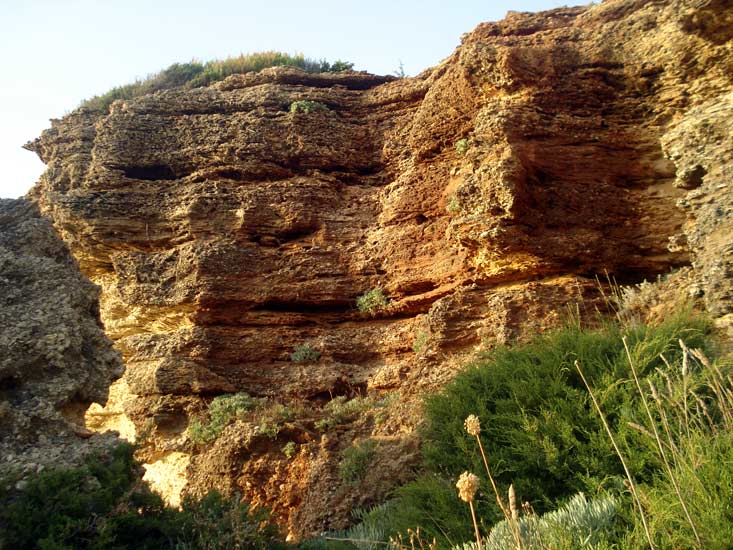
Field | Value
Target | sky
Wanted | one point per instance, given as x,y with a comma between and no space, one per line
56,53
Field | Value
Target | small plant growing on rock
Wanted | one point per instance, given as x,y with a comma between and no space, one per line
372,301
453,205
289,449
223,410
421,342
462,146
355,461
272,419
305,353
341,409
307,107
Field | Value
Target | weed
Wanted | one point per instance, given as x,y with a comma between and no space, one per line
341,409
421,341
462,146
307,107
289,449
222,411
305,353
453,205
272,418
400,72
356,459
372,301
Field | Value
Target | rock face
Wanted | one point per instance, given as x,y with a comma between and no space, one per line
54,356
484,196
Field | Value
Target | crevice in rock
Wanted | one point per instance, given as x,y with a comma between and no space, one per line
150,172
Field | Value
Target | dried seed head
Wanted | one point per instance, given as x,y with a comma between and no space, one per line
473,425
513,502
467,486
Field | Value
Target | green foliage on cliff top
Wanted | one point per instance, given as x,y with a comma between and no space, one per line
196,74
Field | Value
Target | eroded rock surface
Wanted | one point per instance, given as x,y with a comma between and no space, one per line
485,196
55,359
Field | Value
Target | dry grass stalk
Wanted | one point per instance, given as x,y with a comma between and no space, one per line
514,519
629,478
415,542
473,427
670,443
718,384
658,440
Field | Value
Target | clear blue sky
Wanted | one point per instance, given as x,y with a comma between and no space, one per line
55,53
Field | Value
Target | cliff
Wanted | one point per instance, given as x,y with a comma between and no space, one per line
484,196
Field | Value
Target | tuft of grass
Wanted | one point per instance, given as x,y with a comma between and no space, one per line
421,342
342,409
307,107
272,418
372,301
305,353
196,74
355,461
453,205
223,410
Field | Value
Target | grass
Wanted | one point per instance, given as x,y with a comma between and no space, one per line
453,205
222,411
305,353
342,409
307,107
226,409
196,74
355,461
420,343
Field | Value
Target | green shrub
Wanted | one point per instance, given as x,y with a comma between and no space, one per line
580,524
462,146
223,410
372,301
196,74
540,431
217,522
103,504
356,459
305,106
305,353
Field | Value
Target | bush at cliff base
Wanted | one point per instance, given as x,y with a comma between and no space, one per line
104,505
542,434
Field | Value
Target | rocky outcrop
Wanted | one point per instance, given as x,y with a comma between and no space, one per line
484,196
55,359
